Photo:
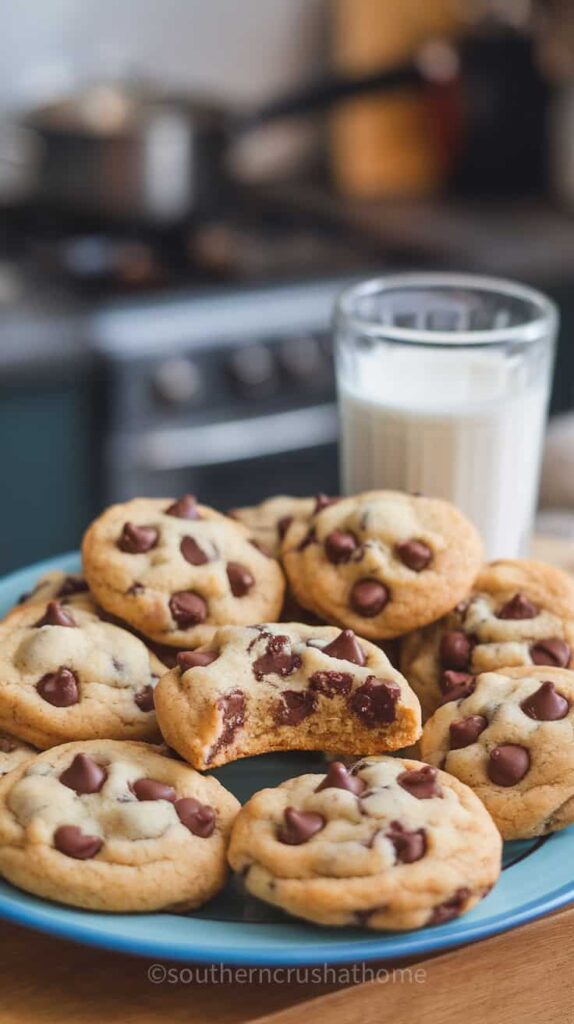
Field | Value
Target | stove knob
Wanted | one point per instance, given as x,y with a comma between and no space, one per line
252,370
177,381
303,359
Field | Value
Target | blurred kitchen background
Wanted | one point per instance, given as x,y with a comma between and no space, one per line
186,185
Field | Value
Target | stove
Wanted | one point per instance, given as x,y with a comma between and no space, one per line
229,393
138,361
255,239
198,359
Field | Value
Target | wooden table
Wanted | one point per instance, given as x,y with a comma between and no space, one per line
523,976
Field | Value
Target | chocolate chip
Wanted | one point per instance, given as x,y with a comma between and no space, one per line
135,540
184,508
375,701
410,846
192,552
546,704
71,841
420,782
508,764
553,652
278,658
519,607
283,525
55,615
466,731
72,585
188,608
331,684
240,579
195,659
455,650
197,817
450,908
299,826
59,688
368,597
346,647
456,685
415,554
323,501
145,699
339,777
232,709
84,775
340,545
151,789
294,706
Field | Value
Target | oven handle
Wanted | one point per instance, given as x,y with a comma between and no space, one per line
237,440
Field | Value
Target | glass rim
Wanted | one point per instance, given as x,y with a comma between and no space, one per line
544,323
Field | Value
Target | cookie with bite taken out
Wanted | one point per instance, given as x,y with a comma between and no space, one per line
284,686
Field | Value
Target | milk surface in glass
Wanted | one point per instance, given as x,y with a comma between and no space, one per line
463,424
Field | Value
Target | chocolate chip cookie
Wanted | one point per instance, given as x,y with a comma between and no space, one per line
382,563
57,585
520,612
284,687
389,844
268,522
175,569
114,826
13,752
65,674
512,742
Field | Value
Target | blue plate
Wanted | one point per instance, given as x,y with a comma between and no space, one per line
232,929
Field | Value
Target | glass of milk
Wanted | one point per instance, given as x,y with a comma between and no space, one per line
443,383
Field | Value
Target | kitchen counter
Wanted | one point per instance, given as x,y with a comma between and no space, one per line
524,975
527,239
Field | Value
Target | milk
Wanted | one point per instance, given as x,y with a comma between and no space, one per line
466,425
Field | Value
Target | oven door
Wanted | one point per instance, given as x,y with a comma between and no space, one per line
230,462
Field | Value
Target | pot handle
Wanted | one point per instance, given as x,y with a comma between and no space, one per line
325,94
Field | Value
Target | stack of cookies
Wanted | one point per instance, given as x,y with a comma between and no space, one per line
195,638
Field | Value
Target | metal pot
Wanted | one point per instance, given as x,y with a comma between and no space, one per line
129,155
123,152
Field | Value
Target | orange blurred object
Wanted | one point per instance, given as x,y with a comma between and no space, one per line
392,144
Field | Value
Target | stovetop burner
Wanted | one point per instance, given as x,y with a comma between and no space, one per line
251,242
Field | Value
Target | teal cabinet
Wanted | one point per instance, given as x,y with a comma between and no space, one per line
48,466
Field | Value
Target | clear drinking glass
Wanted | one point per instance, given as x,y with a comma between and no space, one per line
443,384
